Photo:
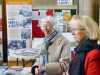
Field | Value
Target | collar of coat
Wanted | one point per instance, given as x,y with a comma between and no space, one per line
87,45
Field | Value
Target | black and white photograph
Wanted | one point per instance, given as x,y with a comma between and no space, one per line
26,34
25,16
16,44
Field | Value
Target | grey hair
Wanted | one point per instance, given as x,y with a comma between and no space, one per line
48,19
91,27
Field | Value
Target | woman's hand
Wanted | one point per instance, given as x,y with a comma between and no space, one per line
37,71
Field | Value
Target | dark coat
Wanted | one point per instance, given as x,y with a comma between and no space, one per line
83,53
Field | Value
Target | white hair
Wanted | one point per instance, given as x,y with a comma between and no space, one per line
90,26
49,19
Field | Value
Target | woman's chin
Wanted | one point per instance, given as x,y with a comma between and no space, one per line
77,40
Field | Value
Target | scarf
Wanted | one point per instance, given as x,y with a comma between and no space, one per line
47,42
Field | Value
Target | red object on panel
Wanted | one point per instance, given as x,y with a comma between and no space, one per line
49,12
36,30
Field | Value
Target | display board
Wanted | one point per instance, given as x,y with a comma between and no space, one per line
19,23
62,17
43,8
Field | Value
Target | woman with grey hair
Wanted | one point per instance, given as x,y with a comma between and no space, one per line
86,56
55,56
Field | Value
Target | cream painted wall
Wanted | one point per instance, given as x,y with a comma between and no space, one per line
85,7
90,8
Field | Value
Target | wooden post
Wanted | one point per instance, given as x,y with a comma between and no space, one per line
4,25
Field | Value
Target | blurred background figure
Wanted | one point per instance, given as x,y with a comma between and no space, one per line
86,56
55,55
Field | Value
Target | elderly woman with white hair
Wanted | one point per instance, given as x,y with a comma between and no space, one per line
86,56
55,54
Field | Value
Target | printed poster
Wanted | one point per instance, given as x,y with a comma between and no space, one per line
19,23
